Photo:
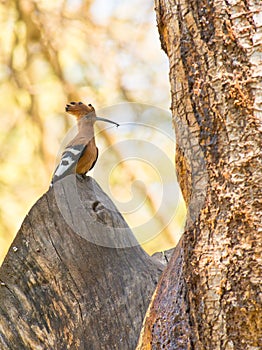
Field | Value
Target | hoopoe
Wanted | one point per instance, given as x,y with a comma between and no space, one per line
80,155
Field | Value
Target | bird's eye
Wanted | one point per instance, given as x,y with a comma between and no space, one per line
89,105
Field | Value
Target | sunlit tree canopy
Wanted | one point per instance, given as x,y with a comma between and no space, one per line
102,52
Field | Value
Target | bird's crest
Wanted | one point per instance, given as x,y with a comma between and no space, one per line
79,109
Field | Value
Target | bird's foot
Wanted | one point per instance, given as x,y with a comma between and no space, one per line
81,177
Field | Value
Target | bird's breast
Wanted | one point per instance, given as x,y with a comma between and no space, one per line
88,158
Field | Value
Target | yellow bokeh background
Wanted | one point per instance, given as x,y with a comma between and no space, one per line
100,52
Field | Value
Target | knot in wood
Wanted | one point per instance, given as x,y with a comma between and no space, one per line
102,214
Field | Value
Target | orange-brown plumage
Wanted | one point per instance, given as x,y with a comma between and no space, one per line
85,135
81,153
79,109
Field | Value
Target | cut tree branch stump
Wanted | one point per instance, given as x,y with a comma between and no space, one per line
62,288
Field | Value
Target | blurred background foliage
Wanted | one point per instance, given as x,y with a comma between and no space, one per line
52,52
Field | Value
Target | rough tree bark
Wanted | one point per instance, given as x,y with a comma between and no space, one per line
61,291
209,297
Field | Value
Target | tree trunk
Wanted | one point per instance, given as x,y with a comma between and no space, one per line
209,297
74,277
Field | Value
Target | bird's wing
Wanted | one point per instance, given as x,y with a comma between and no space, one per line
95,159
68,162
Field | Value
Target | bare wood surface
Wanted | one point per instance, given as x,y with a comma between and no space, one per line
60,291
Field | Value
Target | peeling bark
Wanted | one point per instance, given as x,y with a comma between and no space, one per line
210,294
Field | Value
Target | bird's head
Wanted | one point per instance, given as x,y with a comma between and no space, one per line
80,110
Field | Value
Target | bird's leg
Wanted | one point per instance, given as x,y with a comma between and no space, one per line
81,176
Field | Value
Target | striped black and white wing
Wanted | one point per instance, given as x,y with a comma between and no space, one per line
68,162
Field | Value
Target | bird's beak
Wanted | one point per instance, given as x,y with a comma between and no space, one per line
106,120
